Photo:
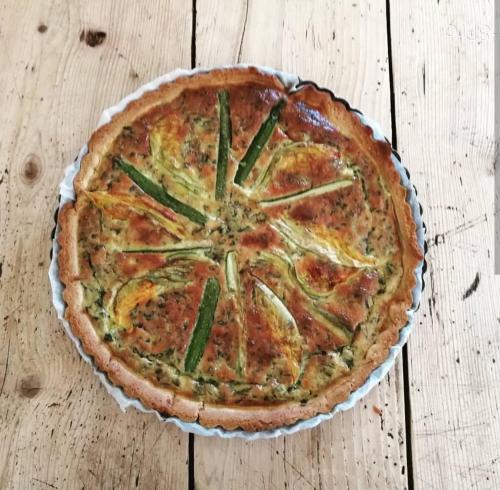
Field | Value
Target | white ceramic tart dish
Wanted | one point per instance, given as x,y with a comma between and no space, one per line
238,251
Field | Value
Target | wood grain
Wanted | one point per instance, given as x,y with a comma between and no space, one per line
443,74
360,448
63,62
58,426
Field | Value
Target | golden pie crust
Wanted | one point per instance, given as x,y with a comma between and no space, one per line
315,107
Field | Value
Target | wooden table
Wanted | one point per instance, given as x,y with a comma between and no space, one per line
424,70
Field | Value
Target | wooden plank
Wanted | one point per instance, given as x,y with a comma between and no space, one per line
58,426
342,46
444,92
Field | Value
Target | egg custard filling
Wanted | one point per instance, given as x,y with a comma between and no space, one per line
239,253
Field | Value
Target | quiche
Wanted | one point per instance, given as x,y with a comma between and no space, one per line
240,252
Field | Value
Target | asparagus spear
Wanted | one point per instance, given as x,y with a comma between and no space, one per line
315,191
201,332
260,140
224,145
159,193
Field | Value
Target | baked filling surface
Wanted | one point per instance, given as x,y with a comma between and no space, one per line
239,253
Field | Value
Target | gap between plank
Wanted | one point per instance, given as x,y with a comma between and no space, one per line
394,135
193,35
407,401
406,377
191,481
191,485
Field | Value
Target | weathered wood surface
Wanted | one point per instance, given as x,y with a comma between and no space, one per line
443,89
359,448
59,428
